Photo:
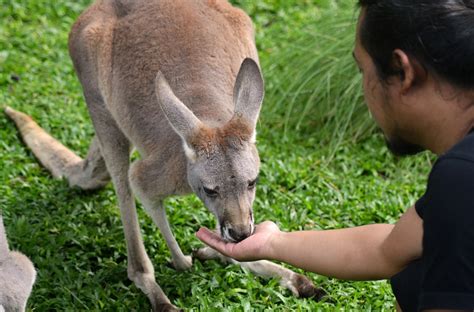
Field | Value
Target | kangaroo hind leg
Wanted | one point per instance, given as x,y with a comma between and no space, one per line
298,284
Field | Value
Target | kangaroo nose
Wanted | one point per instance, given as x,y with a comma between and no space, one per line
239,233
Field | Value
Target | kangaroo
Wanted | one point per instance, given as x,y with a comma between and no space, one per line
17,276
179,81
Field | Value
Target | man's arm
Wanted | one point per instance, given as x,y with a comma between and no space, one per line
375,251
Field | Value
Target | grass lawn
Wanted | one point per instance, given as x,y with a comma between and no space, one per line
323,166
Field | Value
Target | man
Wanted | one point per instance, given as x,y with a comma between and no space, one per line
417,60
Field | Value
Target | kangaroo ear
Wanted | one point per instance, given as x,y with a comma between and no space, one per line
248,92
180,117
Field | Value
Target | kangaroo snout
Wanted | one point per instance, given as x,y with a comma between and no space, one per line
236,233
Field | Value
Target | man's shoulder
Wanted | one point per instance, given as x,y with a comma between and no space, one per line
463,150
455,169
451,182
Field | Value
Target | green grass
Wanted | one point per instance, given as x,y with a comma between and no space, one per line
323,166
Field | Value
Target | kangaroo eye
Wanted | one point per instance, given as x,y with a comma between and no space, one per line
252,184
210,192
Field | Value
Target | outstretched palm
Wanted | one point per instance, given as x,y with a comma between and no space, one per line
255,247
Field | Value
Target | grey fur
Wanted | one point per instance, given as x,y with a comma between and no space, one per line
17,276
202,137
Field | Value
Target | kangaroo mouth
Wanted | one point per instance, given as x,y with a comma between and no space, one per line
226,237
228,234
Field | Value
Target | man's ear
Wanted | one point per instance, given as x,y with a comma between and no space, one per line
411,72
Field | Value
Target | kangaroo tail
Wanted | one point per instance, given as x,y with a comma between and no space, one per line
88,173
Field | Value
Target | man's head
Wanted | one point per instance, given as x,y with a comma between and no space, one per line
417,59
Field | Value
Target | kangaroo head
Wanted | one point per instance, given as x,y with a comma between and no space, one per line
223,163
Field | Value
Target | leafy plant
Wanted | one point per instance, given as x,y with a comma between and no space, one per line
315,89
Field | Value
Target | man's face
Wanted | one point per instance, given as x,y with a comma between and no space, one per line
384,103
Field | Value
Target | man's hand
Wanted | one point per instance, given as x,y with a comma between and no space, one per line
256,247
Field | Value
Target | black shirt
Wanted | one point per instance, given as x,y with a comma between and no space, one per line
443,278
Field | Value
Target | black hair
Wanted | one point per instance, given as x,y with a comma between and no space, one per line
439,34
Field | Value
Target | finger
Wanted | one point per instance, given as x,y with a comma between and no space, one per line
206,234
212,239
265,226
216,242
262,226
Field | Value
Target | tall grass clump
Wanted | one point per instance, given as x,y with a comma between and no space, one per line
313,85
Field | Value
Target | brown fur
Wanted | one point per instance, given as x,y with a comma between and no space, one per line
306,288
239,129
233,135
